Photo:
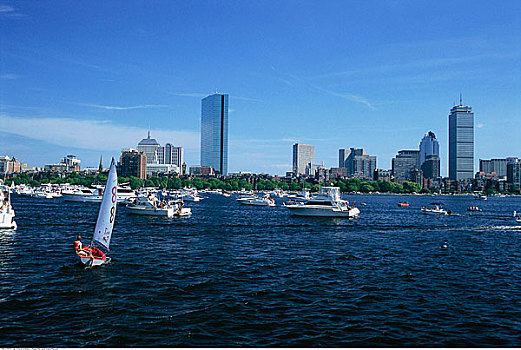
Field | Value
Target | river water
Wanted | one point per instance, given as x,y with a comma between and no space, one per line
233,275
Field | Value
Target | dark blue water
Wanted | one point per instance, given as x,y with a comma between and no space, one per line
232,275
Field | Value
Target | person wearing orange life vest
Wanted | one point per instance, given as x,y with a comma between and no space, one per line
78,248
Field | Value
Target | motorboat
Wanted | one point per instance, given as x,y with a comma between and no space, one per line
436,209
326,204
246,198
303,196
7,213
265,201
403,204
151,205
480,196
95,195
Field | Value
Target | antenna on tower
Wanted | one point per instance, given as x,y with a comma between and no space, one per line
460,100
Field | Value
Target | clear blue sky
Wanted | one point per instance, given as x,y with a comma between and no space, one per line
90,77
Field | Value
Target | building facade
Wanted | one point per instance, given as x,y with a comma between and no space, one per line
214,132
498,166
431,167
346,159
429,146
514,172
303,154
404,163
461,143
363,166
150,147
10,165
169,154
132,163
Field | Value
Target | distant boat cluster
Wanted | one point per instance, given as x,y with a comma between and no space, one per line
170,203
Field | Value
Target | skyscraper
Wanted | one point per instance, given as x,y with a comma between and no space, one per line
302,155
150,147
404,163
214,132
461,142
357,162
429,146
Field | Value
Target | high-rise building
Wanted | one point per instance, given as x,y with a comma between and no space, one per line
170,154
214,132
431,167
514,172
498,166
302,155
150,147
132,163
343,154
404,163
346,159
364,166
461,142
429,146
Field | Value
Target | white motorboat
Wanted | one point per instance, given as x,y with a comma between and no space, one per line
6,210
96,195
436,209
191,197
479,196
326,204
151,205
265,201
303,196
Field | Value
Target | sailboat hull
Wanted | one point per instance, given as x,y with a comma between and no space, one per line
98,257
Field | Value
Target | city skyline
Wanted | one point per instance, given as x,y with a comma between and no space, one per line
363,75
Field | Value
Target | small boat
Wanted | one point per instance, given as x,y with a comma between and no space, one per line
151,205
265,201
89,195
480,197
517,217
436,209
303,196
99,245
474,208
403,204
326,204
6,210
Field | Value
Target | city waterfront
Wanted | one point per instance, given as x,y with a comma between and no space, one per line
232,275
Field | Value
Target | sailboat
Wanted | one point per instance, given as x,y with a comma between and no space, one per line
6,210
95,253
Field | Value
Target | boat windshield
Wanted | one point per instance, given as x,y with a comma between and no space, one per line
331,192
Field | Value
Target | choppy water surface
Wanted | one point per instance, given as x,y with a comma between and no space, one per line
232,275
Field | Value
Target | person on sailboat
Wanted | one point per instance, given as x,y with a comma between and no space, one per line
78,247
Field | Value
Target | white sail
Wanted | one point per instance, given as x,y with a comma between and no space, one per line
107,210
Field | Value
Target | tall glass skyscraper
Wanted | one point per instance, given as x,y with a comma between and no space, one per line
214,132
429,146
461,143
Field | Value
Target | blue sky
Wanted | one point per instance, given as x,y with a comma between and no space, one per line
90,77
